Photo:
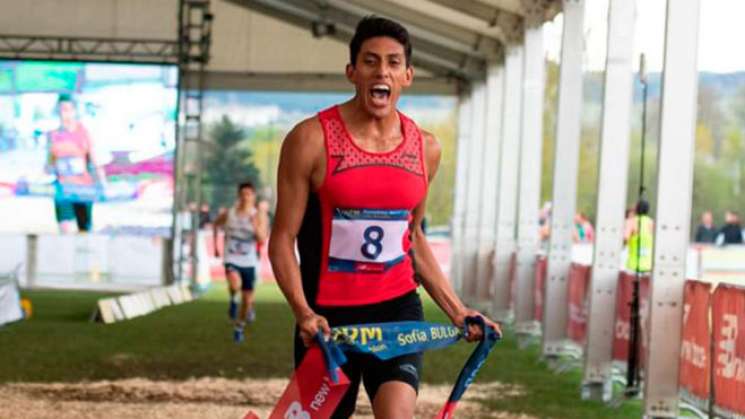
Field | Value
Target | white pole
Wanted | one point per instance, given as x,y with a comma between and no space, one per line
612,180
672,223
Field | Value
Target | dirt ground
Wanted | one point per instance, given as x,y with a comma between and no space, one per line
203,398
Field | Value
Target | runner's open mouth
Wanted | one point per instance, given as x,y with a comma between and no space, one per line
380,92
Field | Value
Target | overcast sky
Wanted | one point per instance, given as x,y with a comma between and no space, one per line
721,34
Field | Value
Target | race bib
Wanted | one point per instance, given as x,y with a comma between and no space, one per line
238,247
70,166
364,240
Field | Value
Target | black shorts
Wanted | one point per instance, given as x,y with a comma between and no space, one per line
80,212
248,275
367,368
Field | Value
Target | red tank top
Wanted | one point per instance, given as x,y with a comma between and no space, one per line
367,200
70,151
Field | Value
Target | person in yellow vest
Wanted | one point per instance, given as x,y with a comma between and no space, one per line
639,236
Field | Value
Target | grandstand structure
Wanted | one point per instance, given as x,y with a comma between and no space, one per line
490,54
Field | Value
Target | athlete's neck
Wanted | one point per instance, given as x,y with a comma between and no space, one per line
367,126
70,125
243,206
372,133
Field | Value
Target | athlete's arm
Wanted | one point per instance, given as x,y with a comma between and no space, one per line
261,225
433,279
297,162
219,223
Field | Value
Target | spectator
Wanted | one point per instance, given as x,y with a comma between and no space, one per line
706,232
544,221
204,216
583,230
639,234
731,232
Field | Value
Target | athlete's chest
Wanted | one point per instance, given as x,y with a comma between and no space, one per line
240,222
358,176
377,144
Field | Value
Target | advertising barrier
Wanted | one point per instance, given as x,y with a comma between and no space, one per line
695,356
728,322
622,328
579,280
539,290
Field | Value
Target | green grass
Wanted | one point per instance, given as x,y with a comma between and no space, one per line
193,340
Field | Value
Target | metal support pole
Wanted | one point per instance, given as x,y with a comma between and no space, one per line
194,39
530,177
490,176
633,364
473,193
672,224
459,197
507,189
566,159
612,180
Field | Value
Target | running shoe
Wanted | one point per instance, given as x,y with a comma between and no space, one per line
233,310
251,316
238,335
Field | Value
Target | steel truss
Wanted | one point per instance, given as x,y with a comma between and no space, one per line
73,48
194,40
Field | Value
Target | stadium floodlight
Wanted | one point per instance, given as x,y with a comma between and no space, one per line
322,28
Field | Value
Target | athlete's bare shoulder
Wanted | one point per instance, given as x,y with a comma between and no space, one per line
306,136
302,150
304,140
432,152
431,144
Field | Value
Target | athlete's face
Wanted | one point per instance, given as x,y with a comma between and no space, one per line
67,112
247,196
380,74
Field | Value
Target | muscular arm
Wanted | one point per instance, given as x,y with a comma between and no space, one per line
261,226
297,162
433,279
218,224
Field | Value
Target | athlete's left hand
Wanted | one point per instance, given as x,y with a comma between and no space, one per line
474,331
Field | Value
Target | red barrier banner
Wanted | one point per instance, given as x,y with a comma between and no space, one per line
579,280
695,361
622,327
728,321
311,394
265,266
214,255
539,287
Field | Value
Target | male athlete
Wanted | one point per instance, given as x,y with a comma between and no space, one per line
244,227
352,187
71,160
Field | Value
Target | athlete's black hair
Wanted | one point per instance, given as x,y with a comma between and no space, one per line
64,97
642,207
374,26
246,184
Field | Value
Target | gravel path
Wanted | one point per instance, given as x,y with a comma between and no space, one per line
203,398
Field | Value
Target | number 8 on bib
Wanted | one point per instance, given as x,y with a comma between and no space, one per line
365,240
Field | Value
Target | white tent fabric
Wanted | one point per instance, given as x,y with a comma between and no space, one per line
10,302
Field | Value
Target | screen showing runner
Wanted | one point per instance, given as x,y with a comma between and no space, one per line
86,147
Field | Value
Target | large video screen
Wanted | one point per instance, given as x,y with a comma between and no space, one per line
86,147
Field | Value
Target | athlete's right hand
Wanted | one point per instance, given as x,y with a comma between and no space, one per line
310,325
